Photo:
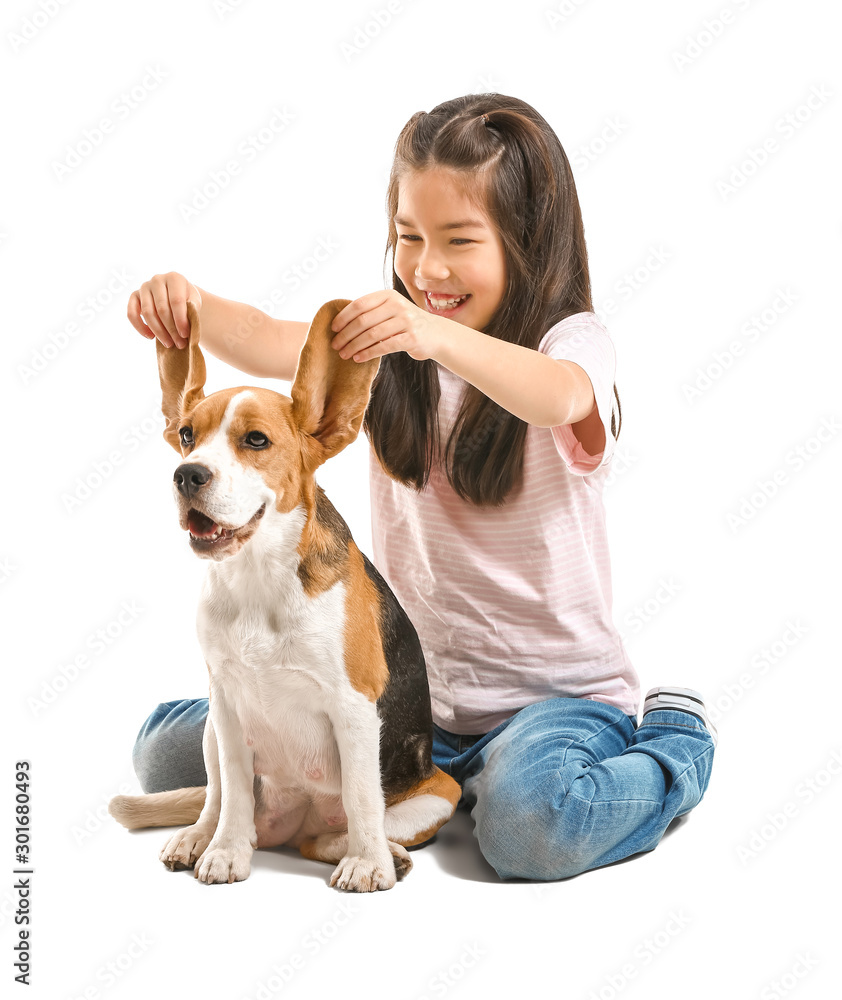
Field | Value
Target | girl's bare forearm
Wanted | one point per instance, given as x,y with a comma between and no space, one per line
247,338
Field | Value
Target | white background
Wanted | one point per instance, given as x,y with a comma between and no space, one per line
734,899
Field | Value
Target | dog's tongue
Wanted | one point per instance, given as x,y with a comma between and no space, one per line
199,524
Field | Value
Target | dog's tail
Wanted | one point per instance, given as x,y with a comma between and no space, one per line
175,808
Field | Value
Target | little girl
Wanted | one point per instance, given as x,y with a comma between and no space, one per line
491,430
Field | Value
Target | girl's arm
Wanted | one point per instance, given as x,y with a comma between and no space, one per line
541,390
247,338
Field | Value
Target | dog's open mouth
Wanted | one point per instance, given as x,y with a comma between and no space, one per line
205,533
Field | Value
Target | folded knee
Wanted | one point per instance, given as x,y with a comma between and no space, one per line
167,753
539,859
147,766
524,835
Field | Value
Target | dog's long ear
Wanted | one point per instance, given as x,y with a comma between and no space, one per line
182,372
329,394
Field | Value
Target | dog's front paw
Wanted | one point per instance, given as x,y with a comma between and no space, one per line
364,874
184,847
224,864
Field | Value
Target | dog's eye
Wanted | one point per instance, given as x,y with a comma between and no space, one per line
255,439
186,435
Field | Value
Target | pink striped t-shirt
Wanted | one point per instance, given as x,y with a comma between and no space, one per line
512,605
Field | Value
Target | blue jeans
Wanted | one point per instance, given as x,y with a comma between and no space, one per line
562,786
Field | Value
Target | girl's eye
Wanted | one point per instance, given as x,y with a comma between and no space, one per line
459,240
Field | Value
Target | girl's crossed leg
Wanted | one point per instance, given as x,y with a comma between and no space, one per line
168,750
569,784
563,786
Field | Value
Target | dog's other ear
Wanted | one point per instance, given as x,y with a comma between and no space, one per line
182,373
330,393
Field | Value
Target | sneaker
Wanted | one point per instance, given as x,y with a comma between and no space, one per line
682,700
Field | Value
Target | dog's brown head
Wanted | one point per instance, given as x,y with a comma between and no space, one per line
250,450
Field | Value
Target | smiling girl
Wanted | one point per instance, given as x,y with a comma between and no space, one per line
491,429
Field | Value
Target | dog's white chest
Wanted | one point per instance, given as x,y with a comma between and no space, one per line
258,635
280,663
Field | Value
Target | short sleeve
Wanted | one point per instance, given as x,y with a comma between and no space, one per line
582,338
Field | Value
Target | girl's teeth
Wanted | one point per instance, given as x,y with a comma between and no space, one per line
438,303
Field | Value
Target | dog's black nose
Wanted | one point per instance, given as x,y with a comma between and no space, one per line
190,478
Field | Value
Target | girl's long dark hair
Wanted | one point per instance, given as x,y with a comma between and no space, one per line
512,163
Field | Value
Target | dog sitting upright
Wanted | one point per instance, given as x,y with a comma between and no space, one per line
319,733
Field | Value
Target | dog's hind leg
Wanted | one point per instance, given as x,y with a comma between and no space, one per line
415,816
329,847
410,821
333,847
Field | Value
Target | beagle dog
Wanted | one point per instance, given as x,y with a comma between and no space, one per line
319,733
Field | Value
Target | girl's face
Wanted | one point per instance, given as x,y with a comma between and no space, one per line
447,248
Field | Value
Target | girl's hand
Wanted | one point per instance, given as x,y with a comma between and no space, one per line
163,302
385,322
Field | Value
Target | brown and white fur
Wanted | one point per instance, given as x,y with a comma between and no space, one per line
319,733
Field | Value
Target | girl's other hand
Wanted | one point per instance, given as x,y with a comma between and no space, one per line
385,322
162,303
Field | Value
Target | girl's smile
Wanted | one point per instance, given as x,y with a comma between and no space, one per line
449,254
445,305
